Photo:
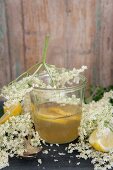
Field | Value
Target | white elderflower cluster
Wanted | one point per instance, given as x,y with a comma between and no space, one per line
3,159
63,99
16,91
62,78
12,134
95,115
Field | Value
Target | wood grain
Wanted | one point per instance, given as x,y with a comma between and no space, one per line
15,35
5,74
30,32
51,17
81,33
106,43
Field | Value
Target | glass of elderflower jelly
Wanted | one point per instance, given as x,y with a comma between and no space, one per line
57,112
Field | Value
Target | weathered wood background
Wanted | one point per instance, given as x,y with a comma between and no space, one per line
81,34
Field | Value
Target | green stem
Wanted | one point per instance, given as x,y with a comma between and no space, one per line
38,64
46,67
89,99
37,69
45,49
25,73
43,63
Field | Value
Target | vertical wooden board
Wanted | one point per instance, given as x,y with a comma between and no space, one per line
31,26
44,17
106,41
15,33
4,55
96,49
80,31
51,14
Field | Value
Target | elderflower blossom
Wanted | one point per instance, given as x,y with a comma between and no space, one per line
12,134
3,159
16,91
62,78
95,115
63,99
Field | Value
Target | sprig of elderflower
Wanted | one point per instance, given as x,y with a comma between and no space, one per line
95,115
12,134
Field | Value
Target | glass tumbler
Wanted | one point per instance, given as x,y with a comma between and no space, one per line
57,112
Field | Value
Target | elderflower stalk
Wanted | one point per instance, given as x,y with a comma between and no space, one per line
37,70
44,58
49,75
45,50
43,63
27,72
39,65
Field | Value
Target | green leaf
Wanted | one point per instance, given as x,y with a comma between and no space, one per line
96,93
1,109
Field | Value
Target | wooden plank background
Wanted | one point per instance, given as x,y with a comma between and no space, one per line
81,34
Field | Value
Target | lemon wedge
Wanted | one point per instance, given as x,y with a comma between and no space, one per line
53,115
13,110
57,111
103,142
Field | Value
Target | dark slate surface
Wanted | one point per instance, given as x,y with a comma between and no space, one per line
48,162
64,162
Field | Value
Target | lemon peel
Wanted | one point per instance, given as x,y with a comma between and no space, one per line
102,142
13,110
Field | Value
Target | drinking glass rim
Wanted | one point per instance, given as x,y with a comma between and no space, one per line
74,87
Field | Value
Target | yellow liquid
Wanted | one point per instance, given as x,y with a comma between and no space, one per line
57,123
